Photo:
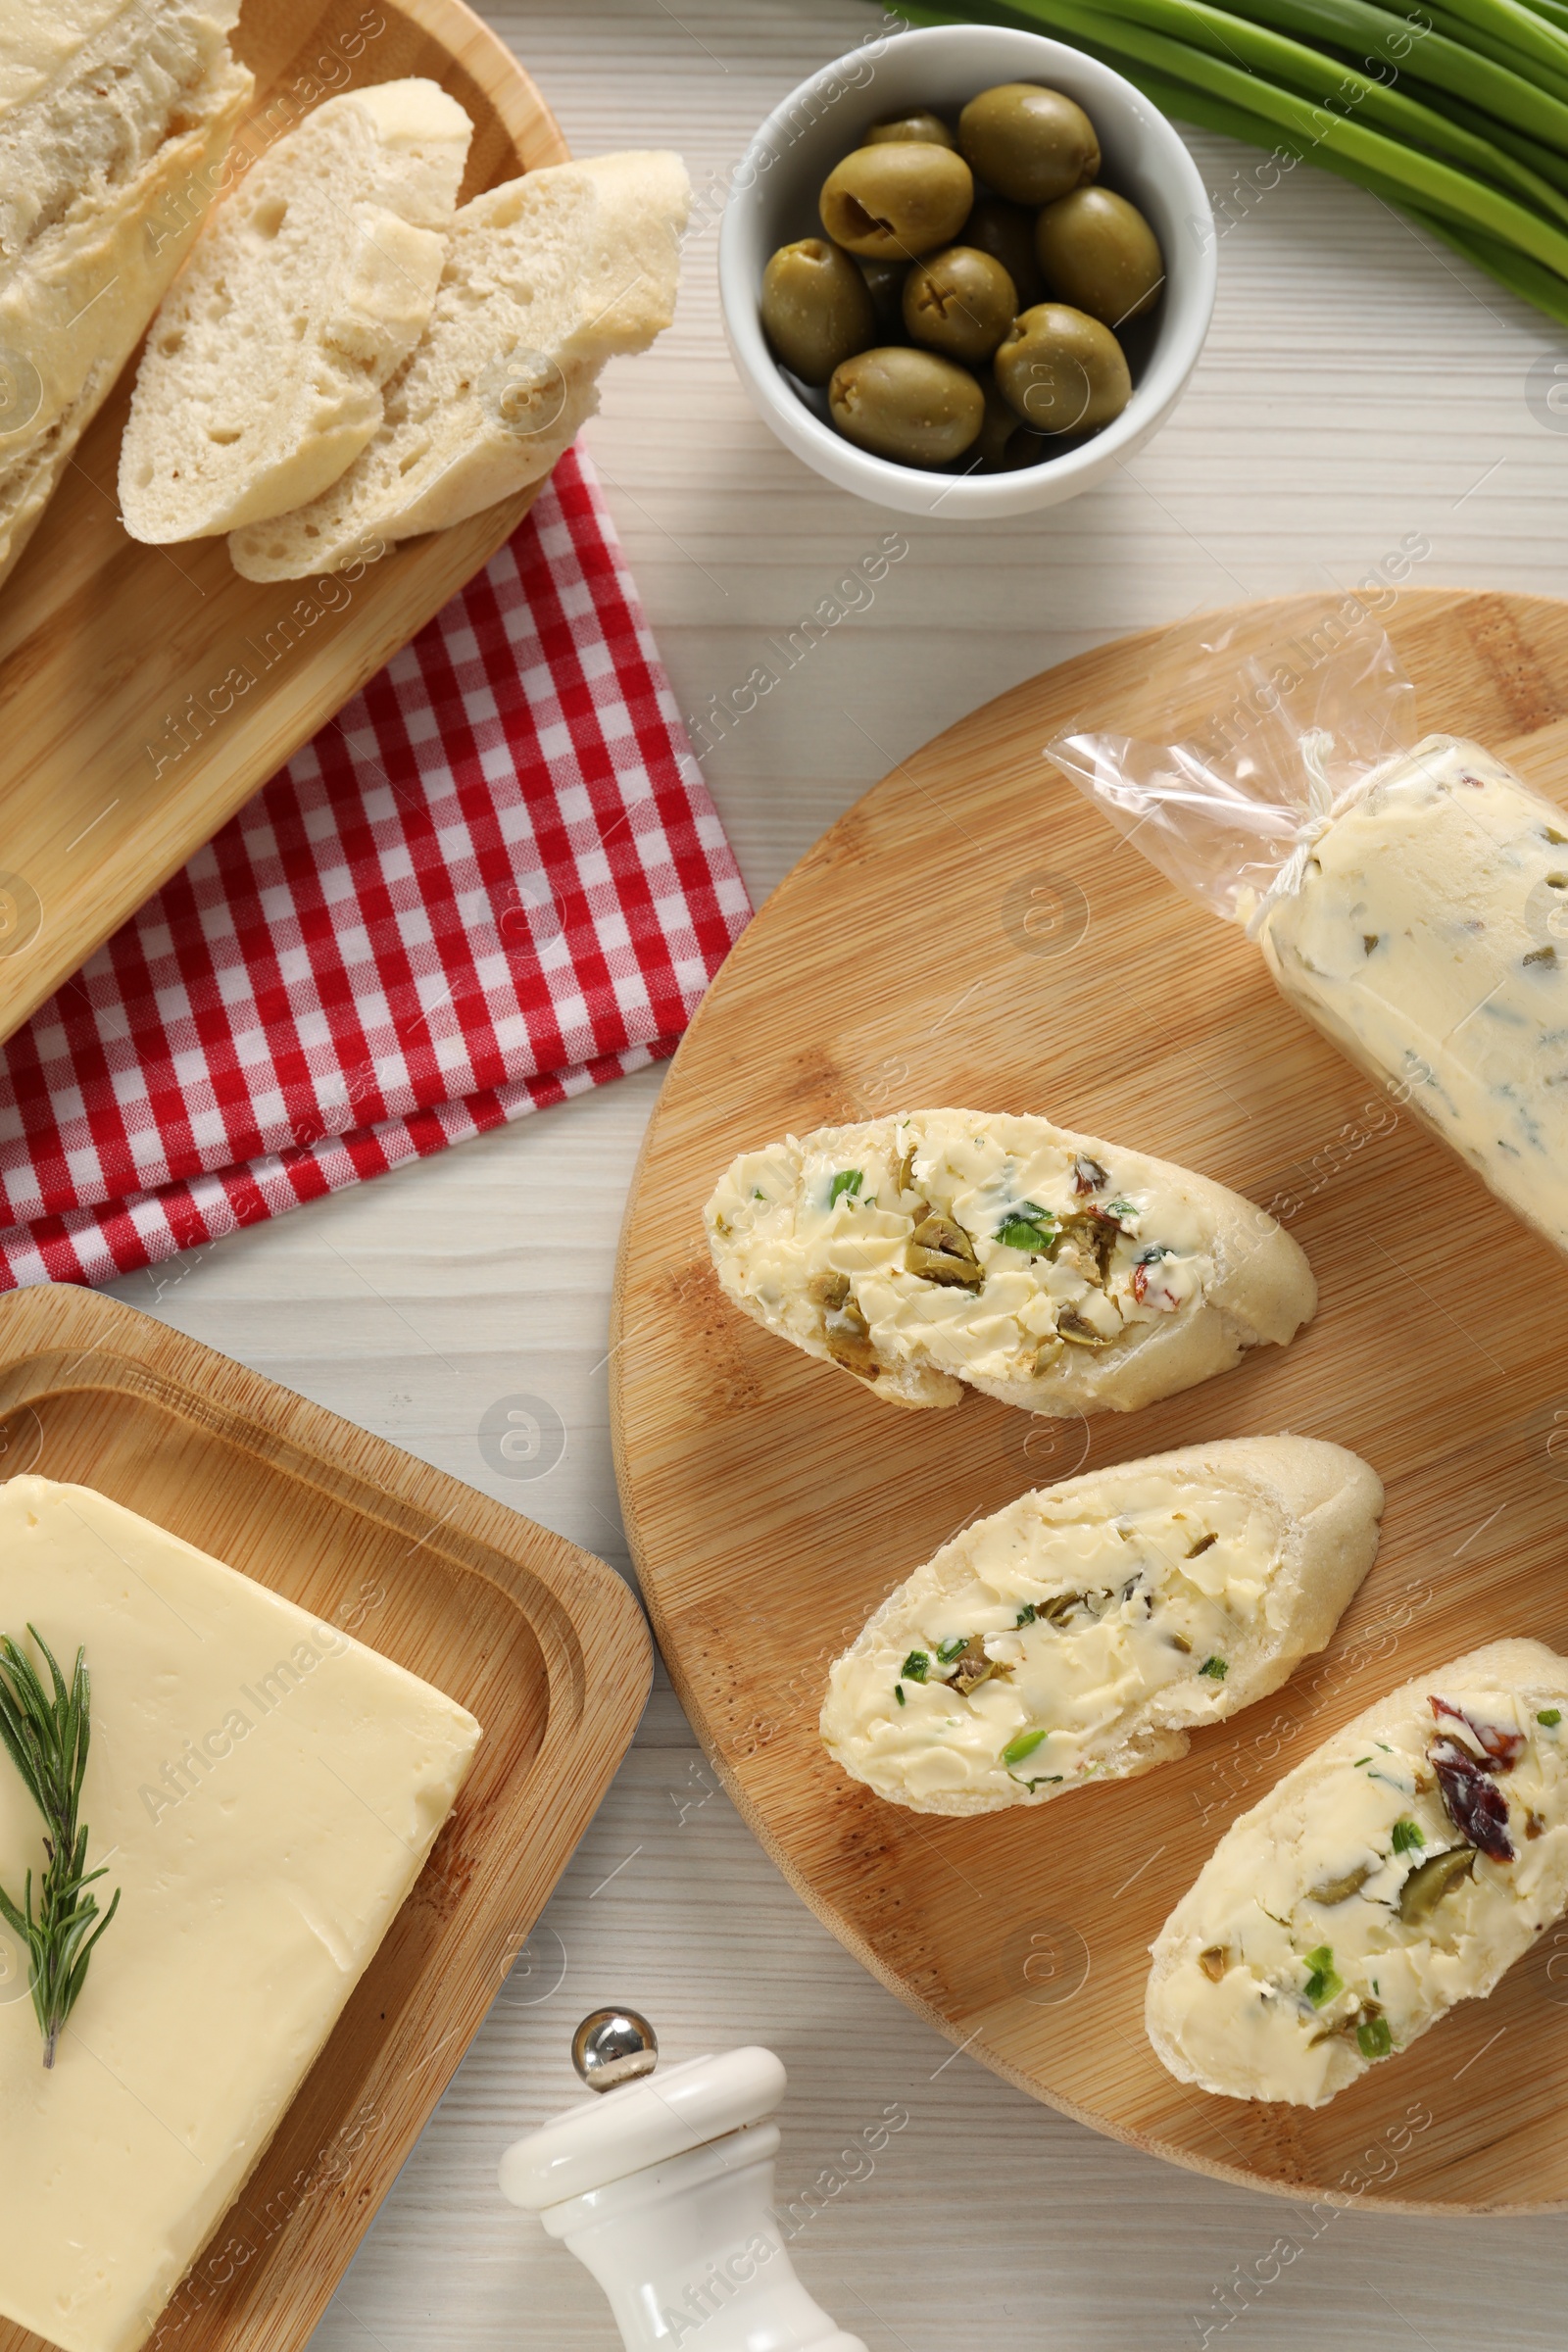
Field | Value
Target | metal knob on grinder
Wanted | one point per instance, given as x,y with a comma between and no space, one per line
613,2046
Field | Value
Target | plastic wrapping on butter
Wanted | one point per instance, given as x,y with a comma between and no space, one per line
1411,899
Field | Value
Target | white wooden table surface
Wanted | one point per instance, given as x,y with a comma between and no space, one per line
1359,391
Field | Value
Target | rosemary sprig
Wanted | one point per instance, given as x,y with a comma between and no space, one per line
46,1735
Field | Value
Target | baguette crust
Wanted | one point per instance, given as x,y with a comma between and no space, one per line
1247,1281
1308,1517
1449,1954
80,295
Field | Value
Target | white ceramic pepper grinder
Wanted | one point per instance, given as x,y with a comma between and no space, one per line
662,2190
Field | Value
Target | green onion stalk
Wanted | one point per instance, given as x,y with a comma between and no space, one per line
1455,112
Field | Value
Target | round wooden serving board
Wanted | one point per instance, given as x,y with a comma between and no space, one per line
973,934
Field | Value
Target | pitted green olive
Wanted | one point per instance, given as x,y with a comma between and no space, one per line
1024,449
1003,445
996,429
1007,233
885,284
1029,143
897,202
910,406
926,128
959,302
1099,253
1062,371
817,308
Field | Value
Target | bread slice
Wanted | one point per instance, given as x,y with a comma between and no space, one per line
114,125
1071,1275
1402,1868
546,279
1078,1634
263,374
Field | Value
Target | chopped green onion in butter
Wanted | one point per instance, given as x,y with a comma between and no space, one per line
1323,1984
1373,2038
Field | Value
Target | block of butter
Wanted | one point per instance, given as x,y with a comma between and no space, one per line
264,1791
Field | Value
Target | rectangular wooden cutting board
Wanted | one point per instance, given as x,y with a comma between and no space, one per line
146,692
543,1643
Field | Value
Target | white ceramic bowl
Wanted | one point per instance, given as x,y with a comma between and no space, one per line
772,201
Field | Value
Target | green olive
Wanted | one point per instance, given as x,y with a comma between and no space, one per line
1024,449
885,281
927,129
896,202
1100,254
996,429
1340,1886
910,406
846,1334
815,308
1071,1325
1427,1885
1003,445
1030,144
939,1249
959,302
1007,233
1062,371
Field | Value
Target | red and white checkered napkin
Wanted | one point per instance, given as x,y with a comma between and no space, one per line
494,880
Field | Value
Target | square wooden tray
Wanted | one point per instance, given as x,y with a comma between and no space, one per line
542,1643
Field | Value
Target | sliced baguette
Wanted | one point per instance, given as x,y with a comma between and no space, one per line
546,279
827,1265
1312,1947
1089,1626
263,374
114,126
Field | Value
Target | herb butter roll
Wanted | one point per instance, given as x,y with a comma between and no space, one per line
1078,1634
1399,1870
1411,896
1051,1270
1427,936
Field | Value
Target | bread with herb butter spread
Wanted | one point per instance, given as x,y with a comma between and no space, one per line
1079,1633
1048,1269
1399,1870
